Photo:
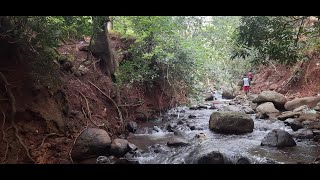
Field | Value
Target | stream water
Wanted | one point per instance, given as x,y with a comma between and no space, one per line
154,135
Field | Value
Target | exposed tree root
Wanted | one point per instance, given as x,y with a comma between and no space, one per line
74,142
88,114
4,139
21,142
13,112
48,135
114,103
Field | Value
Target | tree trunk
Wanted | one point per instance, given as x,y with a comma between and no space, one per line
102,49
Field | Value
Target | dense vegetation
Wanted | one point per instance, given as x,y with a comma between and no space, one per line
192,52
284,39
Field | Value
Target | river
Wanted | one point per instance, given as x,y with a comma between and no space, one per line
154,135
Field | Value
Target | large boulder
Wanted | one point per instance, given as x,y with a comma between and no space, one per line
278,138
228,94
271,96
92,142
309,117
211,158
303,134
301,108
231,122
288,114
120,147
251,97
309,101
268,108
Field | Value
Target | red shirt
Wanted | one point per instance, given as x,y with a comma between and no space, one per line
250,75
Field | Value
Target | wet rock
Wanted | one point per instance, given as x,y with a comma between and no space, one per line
191,116
171,127
316,132
243,160
232,103
316,138
309,117
91,143
271,96
268,108
211,158
233,108
301,108
303,134
132,126
248,110
306,123
213,107
175,141
193,107
209,98
317,160
251,97
103,160
288,121
180,122
179,133
278,138
260,115
157,148
231,122
156,128
182,111
308,101
120,147
173,115
133,154
228,94
288,114
296,125
192,128
201,136
202,107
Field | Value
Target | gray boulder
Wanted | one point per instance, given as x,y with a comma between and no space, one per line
278,138
231,122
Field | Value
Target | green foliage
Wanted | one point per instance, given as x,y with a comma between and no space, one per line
270,38
45,31
193,50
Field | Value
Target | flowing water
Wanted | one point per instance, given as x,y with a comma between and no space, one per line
154,135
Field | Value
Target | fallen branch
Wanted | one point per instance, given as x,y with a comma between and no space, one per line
114,103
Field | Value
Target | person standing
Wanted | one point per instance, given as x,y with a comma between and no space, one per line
246,84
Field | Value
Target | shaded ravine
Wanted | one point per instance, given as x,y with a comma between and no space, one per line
153,141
